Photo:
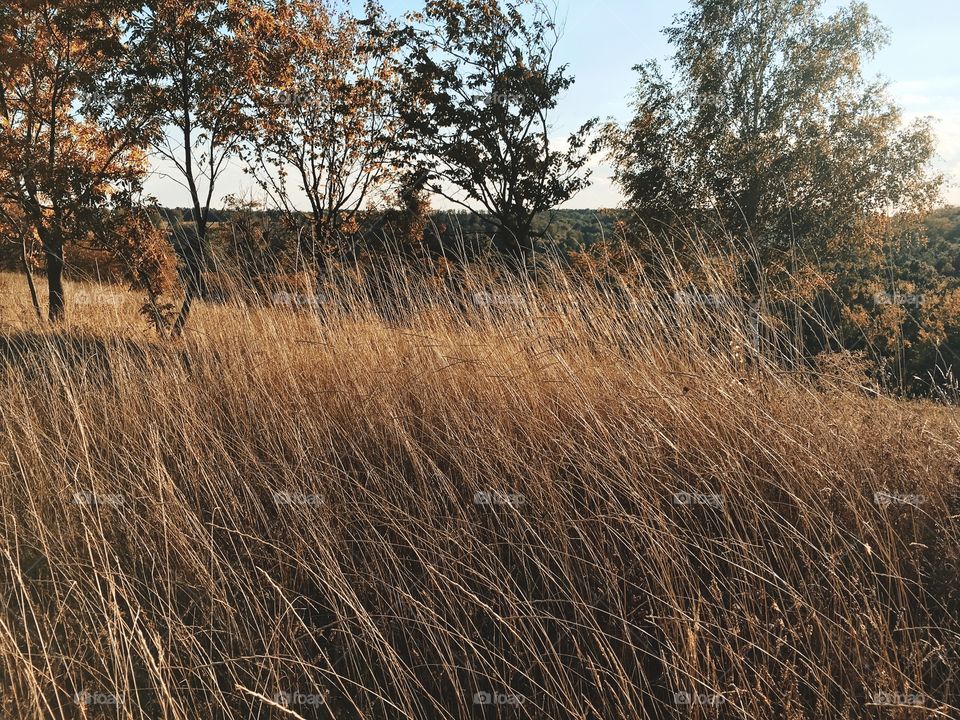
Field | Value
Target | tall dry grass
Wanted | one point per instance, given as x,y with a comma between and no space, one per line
576,498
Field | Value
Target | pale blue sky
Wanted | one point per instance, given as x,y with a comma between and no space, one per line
604,39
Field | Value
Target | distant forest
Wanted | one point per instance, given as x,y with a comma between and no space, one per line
574,229
942,249
565,229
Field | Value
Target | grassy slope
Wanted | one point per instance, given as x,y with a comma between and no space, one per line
289,505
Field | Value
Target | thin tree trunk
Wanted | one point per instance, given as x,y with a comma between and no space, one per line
177,329
28,271
194,289
195,251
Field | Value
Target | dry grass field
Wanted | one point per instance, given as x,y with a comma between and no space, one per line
502,502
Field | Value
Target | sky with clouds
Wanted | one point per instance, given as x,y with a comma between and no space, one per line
603,40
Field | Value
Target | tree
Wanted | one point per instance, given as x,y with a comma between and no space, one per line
70,142
197,63
479,84
769,125
326,117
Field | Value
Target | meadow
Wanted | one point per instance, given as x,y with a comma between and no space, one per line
477,496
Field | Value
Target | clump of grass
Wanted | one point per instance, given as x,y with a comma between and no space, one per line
569,498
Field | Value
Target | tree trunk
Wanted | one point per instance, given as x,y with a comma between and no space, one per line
194,259
25,259
512,239
53,254
177,329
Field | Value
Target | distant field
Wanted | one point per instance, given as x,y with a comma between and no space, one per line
495,503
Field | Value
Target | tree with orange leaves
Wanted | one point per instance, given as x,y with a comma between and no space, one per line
326,118
70,135
197,62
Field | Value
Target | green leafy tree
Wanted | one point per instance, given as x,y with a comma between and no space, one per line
768,125
480,83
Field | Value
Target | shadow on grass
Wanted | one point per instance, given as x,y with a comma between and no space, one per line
79,355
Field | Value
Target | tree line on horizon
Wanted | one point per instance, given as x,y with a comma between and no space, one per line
762,134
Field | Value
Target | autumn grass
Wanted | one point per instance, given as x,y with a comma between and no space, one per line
576,496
